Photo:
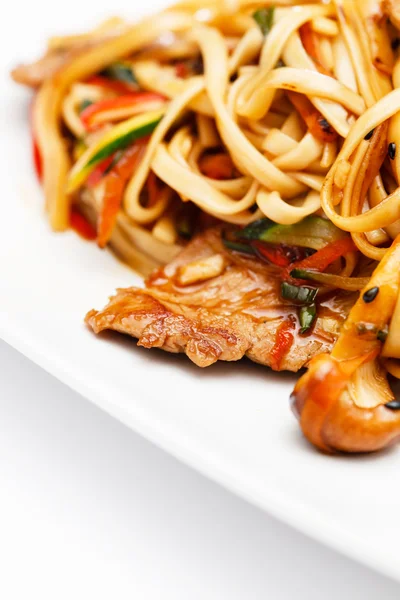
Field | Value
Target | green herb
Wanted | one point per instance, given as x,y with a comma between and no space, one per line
255,230
120,72
84,104
264,17
298,294
237,246
307,316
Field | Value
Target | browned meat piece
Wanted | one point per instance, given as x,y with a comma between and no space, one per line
34,74
235,313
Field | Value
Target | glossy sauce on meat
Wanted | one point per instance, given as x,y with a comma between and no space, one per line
239,312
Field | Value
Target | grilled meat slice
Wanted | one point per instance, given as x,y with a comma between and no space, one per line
56,58
236,312
34,74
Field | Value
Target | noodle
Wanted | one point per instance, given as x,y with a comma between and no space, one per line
228,112
232,92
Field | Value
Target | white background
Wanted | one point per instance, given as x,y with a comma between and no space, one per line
88,509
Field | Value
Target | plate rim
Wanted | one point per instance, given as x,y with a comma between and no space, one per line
271,501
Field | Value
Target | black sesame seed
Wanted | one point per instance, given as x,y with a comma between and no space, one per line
393,405
392,150
325,125
369,135
370,295
395,43
382,335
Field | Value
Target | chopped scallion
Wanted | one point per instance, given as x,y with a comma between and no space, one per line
238,247
264,17
307,316
120,72
298,294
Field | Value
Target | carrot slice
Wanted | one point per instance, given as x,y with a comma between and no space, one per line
311,44
217,166
115,182
316,123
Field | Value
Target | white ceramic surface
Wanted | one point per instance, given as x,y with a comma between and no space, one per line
231,422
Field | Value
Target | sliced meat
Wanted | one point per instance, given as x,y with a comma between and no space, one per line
235,313
34,74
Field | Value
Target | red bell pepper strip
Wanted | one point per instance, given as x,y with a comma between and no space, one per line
273,254
182,70
78,222
99,172
37,159
115,182
118,87
326,256
217,166
90,115
283,342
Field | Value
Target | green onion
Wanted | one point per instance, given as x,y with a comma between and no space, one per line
84,104
255,230
237,246
264,17
307,316
298,294
120,72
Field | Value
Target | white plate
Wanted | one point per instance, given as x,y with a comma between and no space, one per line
231,421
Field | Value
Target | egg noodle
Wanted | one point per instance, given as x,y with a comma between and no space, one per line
291,107
230,111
